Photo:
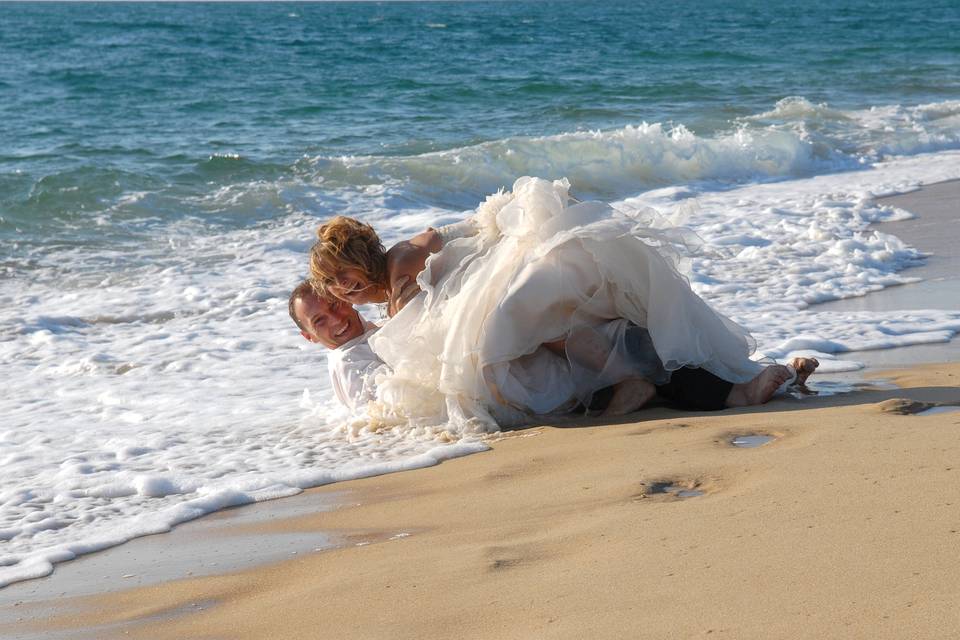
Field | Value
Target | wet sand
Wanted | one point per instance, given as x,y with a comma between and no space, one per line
844,525
934,231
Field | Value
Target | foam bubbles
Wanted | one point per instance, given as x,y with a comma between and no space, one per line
773,250
797,138
165,393
153,380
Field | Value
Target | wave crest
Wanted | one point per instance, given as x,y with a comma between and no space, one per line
605,163
796,138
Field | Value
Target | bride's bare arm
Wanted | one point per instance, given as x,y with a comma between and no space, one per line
429,240
405,261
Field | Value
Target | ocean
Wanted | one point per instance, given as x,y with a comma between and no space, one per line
163,168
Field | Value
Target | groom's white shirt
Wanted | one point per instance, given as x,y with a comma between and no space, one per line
352,367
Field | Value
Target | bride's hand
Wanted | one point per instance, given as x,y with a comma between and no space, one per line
403,291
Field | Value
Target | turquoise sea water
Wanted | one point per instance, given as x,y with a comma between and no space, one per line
98,100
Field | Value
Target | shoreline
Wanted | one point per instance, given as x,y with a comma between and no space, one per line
561,532
935,209
374,500
222,541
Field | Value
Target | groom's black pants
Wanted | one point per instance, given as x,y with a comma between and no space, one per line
696,389
689,388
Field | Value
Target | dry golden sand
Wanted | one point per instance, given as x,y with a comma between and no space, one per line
845,526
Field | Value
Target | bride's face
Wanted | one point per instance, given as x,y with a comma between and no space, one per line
351,285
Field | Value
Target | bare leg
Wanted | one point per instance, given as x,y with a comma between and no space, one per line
629,395
590,349
760,389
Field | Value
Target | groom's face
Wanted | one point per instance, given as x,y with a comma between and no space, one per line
329,322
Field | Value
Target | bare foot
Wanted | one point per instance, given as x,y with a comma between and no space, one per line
760,389
628,396
804,367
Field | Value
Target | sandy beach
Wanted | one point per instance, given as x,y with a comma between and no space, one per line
843,525
193,445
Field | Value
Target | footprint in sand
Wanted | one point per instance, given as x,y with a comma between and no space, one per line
751,440
904,406
673,488
500,558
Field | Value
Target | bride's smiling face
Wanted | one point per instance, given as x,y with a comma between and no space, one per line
351,285
348,261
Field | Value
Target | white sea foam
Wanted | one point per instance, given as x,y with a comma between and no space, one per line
795,139
171,390
151,383
779,248
868,134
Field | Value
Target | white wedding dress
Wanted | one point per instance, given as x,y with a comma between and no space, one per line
466,352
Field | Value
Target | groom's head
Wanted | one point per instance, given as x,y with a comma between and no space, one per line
324,320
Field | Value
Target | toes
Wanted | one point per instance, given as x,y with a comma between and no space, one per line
806,365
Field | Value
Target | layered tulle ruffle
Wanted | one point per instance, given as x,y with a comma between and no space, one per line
544,267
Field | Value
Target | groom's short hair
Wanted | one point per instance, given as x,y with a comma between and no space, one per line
303,290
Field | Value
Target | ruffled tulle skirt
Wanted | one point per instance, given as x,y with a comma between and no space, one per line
467,351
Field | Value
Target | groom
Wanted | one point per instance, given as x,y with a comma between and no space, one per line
352,364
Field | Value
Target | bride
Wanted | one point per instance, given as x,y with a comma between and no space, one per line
533,267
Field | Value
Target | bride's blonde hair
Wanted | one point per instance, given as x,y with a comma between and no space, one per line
345,242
